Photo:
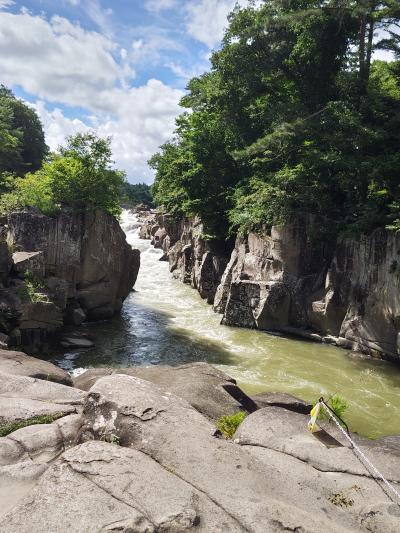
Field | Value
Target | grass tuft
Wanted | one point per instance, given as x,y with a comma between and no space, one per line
228,424
10,427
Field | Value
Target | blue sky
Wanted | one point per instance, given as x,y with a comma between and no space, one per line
118,67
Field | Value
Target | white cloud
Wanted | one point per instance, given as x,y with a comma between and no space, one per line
100,16
56,60
143,118
61,62
156,6
207,20
4,4
151,46
57,126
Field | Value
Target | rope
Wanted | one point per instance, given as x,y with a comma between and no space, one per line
373,470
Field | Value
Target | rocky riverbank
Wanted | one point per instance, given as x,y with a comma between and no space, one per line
344,292
61,270
137,450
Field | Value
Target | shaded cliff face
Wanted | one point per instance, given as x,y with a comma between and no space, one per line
82,268
345,292
191,258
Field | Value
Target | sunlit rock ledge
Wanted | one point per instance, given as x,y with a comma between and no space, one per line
137,450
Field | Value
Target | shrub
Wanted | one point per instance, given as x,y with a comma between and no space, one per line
228,424
79,176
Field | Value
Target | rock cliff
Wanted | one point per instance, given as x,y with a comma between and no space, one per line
192,258
344,292
63,270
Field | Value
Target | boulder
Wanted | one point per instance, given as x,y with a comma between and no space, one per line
40,315
139,415
29,261
208,390
76,341
20,364
39,443
322,471
22,398
281,399
122,490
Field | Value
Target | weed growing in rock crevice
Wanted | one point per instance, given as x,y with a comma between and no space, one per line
228,424
10,427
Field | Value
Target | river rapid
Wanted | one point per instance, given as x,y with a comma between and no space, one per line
165,321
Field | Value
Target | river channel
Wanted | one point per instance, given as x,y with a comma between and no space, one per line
165,321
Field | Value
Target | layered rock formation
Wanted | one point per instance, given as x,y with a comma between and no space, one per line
128,454
66,269
344,292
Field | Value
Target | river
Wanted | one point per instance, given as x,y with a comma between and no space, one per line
165,321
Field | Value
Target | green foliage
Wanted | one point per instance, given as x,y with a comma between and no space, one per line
338,405
293,118
22,143
137,193
79,176
33,289
228,424
10,427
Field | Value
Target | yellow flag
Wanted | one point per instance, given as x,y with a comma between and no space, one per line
312,424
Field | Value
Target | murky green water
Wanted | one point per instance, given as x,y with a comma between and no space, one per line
165,321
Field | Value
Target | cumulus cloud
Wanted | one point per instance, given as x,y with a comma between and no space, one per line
56,125
143,118
207,20
62,63
56,60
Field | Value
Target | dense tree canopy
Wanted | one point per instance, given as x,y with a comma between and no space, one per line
22,142
137,193
294,117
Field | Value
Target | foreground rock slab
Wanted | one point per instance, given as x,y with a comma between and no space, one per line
20,364
321,470
208,390
22,398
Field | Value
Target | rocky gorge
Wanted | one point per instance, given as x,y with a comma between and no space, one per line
344,292
137,450
61,270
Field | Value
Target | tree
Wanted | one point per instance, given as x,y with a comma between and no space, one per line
137,193
22,142
293,118
79,175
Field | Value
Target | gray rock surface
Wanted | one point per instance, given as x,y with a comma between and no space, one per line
85,263
23,397
208,390
29,261
20,364
178,438
281,399
323,469
150,462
